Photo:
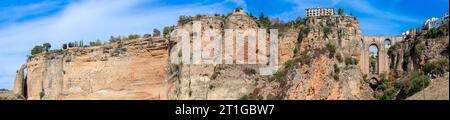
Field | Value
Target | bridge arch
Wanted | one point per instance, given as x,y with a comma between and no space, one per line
382,43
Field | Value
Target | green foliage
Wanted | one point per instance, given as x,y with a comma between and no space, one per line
340,11
64,46
305,30
96,43
168,29
437,66
336,72
365,78
249,71
46,46
392,51
147,35
133,36
41,94
350,61
298,22
387,95
336,69
190,93
331,48
305,58
71,45
296,48
287,64
156,32
414,82
434,32
327,30
114,39
37,49
419,49
244,97
271,97
264,21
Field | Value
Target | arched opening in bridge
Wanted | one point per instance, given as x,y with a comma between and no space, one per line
387,43
373,59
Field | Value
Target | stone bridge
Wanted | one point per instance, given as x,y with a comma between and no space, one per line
382,43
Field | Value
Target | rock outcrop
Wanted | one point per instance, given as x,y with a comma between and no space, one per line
134,69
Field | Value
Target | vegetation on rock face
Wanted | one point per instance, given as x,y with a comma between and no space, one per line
434,32
244,97
41,94
412,83
436,66
331,48
392,51
249,71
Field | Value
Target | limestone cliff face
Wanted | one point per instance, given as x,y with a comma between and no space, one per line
134,69
317,79
317,73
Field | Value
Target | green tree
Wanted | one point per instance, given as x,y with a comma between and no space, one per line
37,49
167,30
156,32
264,21
147,35
64,46
71,44
340,11
46,46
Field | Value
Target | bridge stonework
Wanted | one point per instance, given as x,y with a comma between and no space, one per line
383,57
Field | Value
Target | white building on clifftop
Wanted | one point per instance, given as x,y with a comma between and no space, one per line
310,12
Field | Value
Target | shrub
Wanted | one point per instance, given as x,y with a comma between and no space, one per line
331,48
271,97
433,33
249,71
365,78
306,30
350,61
419,49
287,64
156,32
41,94
260,97
437,66
147,35
244,97
414,82
327,30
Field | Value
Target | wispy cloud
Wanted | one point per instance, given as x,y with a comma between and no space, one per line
90,20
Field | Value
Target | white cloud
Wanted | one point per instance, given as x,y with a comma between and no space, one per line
90,20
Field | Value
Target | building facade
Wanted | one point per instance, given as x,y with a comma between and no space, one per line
311,12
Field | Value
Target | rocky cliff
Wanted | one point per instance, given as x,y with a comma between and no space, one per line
307,69
133,69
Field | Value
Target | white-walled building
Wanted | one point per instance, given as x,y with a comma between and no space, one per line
436,22
319,12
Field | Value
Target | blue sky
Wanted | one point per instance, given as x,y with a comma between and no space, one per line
25,23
